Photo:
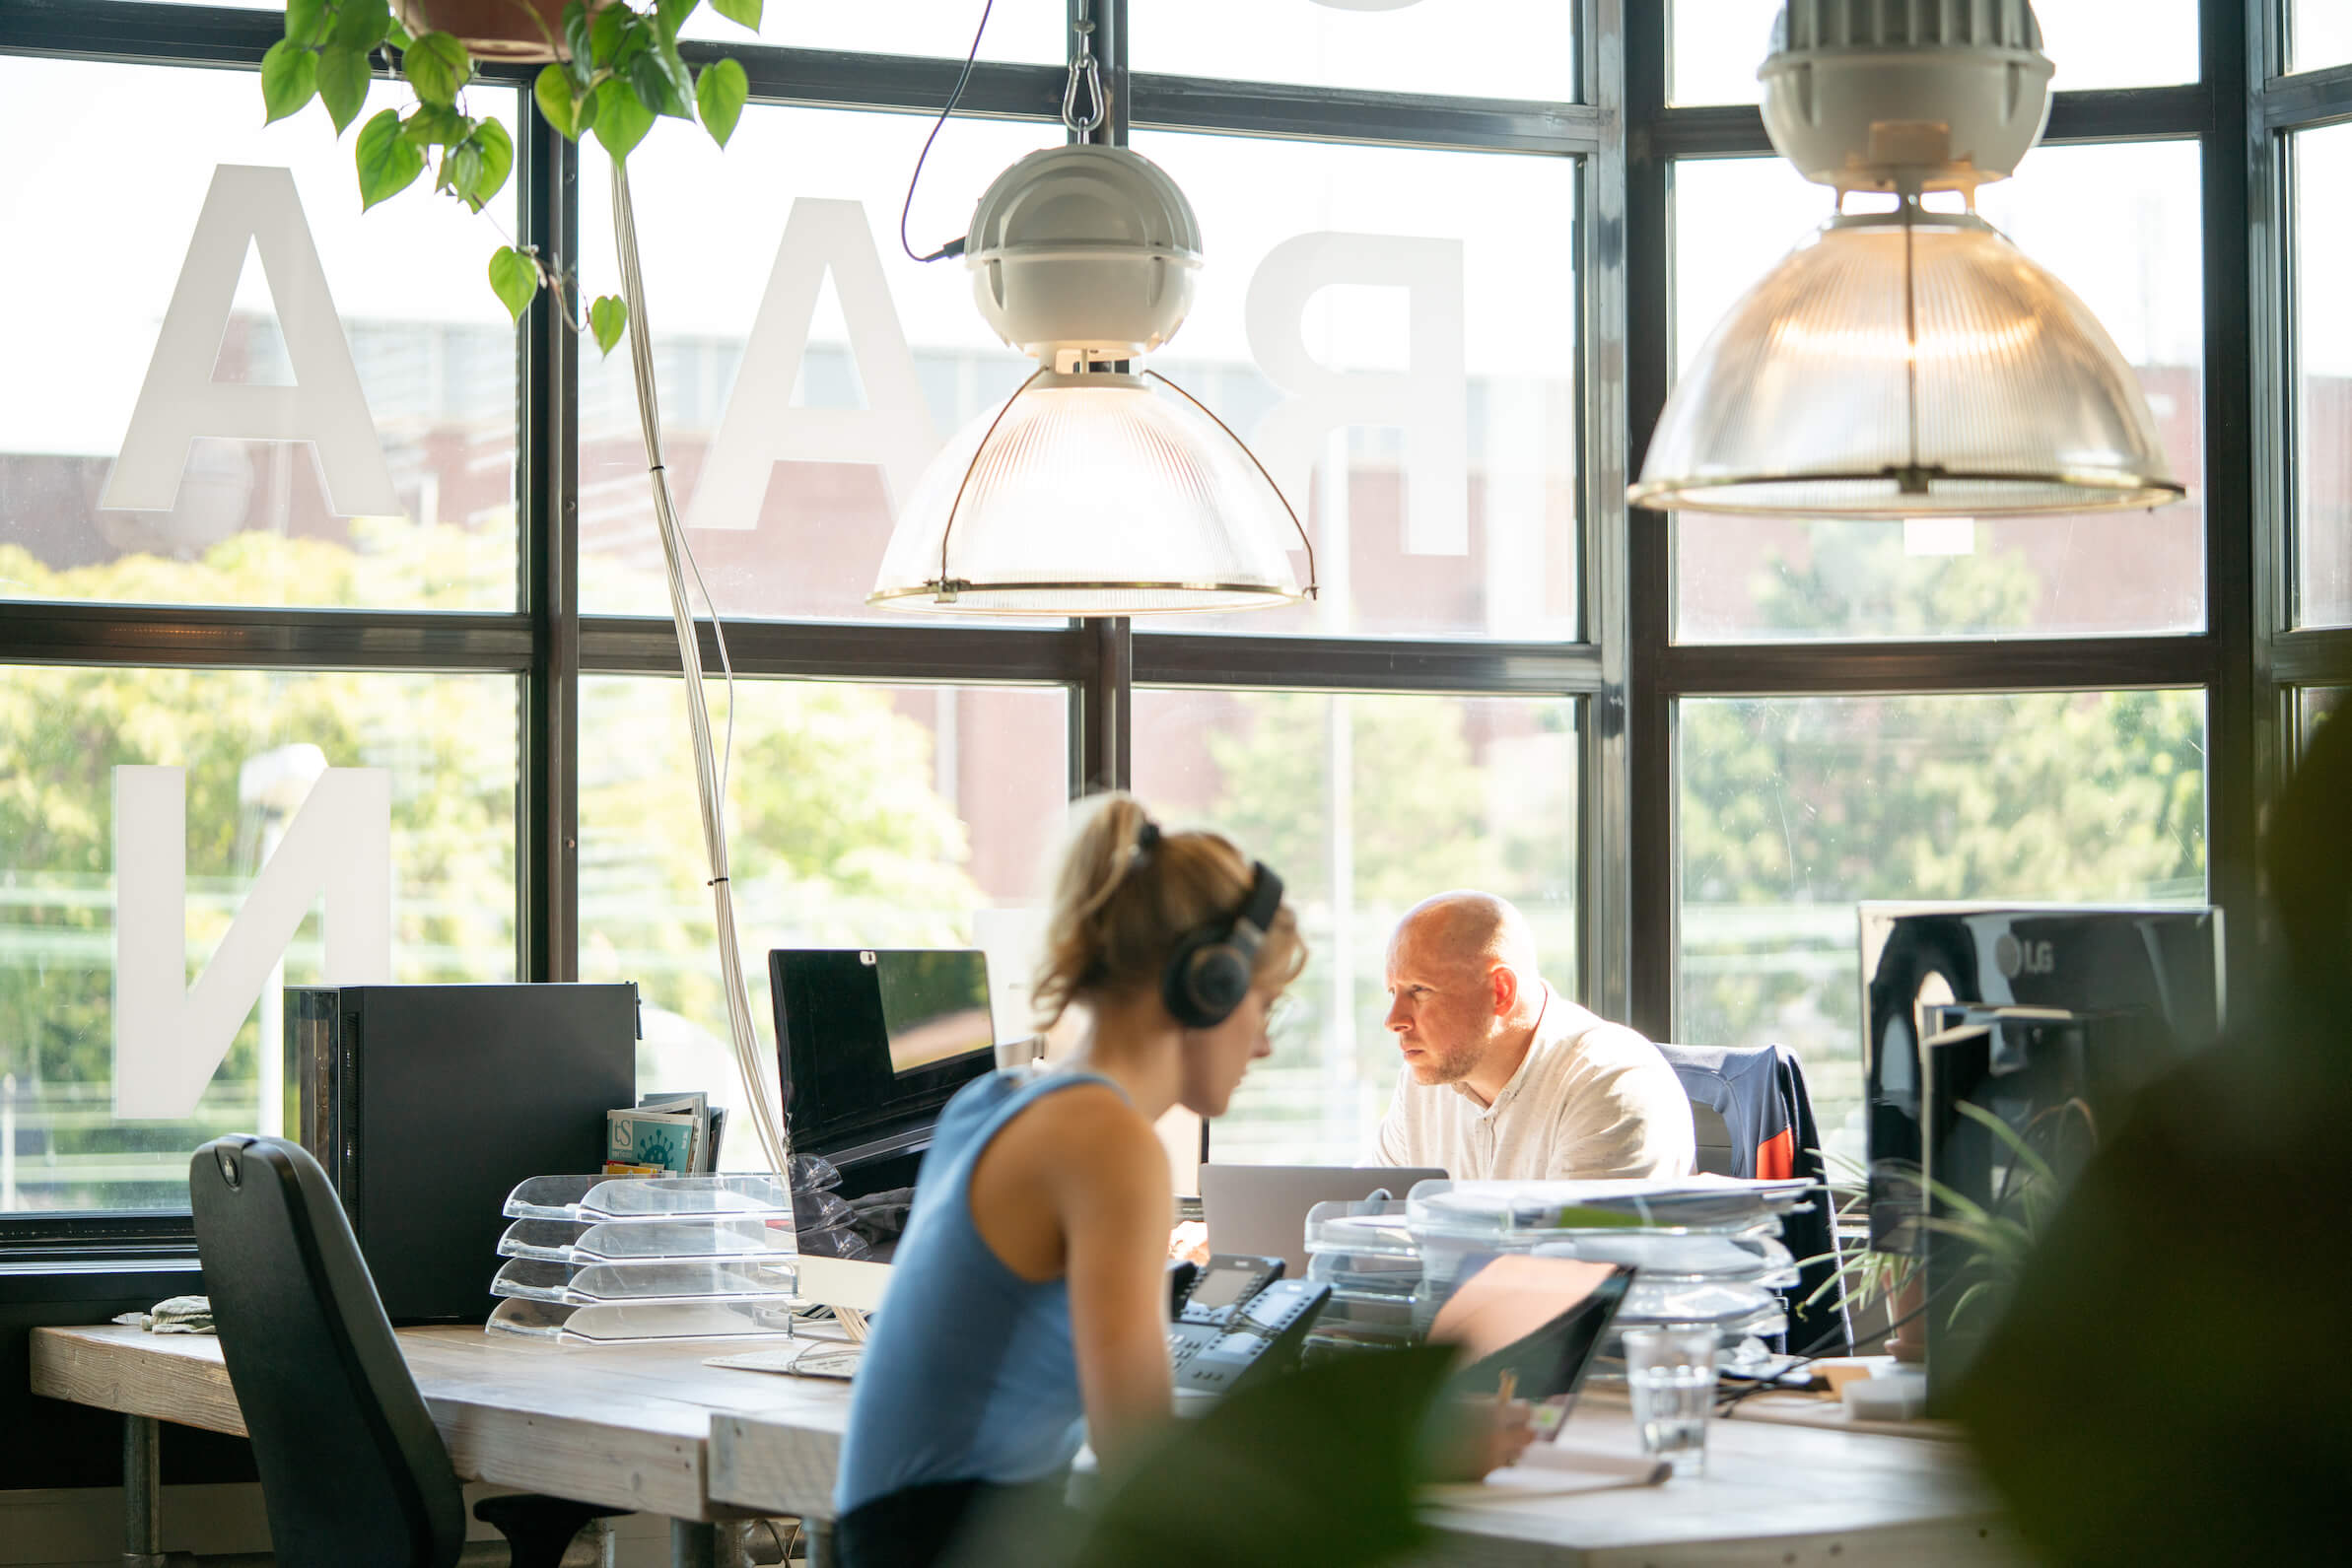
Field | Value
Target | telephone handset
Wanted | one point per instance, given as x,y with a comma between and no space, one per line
1238,1321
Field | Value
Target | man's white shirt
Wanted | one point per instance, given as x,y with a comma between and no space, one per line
1592,1099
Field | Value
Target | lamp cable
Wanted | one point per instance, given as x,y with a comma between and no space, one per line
954,248
710,773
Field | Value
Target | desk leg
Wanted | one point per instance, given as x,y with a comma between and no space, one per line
142,1492
819,1533
693,1545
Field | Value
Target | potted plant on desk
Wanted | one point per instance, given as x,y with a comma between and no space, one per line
613,70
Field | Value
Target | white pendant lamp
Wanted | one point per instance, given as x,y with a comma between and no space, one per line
1090,491
1911,361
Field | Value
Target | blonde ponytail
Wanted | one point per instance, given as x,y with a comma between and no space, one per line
1120,906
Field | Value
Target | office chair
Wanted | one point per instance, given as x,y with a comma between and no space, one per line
353,1473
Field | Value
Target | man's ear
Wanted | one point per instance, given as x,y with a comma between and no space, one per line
1506,989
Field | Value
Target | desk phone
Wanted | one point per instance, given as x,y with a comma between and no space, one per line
1238,1321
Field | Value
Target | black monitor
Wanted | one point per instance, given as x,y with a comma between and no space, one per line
870,1044
2159,963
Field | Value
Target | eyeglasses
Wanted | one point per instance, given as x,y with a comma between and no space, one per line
1284,1013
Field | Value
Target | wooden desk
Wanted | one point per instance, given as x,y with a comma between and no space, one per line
624,1426
1772,1495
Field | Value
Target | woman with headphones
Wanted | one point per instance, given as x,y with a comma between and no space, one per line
1030,1283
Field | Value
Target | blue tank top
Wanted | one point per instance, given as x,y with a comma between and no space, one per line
969,1374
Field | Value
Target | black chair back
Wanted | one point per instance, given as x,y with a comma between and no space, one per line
352,1474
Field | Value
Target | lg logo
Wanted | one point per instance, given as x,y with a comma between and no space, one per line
2016,957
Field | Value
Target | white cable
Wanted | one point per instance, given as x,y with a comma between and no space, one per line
710,778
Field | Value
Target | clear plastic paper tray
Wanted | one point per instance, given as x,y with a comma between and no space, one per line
585,1284
1507,1211
1358,1275
1701,1302
1753,1259
596,1199
1369,1229
616,1322
564,1241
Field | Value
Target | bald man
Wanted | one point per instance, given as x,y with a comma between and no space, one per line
1503,1076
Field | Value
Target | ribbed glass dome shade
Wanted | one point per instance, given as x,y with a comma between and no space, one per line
1810,397
1095,495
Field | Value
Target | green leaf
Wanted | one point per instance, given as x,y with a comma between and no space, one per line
388,164
437,66
576,41
289,79
657,90
558,105
743,12
720,92
584,114
398,35
513,278
433,126
342,84
605,32
496,151
460,166
363,24
673,74
671,14
621,121
608,318
305,20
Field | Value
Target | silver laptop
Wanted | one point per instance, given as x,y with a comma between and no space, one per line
1261,1210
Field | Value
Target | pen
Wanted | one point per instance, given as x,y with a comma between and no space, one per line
1507,1386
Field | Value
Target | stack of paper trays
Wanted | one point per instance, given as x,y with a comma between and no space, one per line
1365,1253
647,1258
1705,1252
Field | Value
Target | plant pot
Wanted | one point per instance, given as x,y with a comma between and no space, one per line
1909,1344
492,30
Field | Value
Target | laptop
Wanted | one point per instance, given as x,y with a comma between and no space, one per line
1261,1210
1538,1319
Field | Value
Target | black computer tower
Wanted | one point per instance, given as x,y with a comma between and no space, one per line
428,1104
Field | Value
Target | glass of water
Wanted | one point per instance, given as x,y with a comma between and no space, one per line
1671,1374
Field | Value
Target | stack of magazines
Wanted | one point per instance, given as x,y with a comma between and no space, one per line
647,1258
1705,1252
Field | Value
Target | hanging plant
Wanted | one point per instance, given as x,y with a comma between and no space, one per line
614,69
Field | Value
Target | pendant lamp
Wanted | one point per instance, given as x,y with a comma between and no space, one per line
1093,490
1909,362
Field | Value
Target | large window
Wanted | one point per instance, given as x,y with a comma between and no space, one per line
1455,254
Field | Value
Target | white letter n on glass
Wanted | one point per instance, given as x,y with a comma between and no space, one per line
171,1036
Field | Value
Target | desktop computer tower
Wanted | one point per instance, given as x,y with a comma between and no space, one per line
426,1105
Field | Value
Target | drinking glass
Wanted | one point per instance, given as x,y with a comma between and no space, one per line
1670,1373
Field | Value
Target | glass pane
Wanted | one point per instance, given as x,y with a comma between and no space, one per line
2320,33
860,816
1471,48
1031,32
1717,45
2118,225
1793,809
1365,805
449,742
400,491
2316,706
861,361
2322,228
1402,325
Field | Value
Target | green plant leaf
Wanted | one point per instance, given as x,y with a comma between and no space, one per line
342,84
578,42
605,32
621,121
513,278
497,152
434,125
305,20
460,166
608,318
720,92
743,12
363,24
671,14
2010,1138
558,105
649,83
437,66
399,36
680,84
388,164
289,79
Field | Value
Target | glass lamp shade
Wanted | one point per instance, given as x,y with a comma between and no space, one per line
1090,495
1906,363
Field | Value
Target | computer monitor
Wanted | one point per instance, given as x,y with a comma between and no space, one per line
2156,961
870,1044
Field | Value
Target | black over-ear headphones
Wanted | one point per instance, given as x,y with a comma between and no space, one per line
1210,973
